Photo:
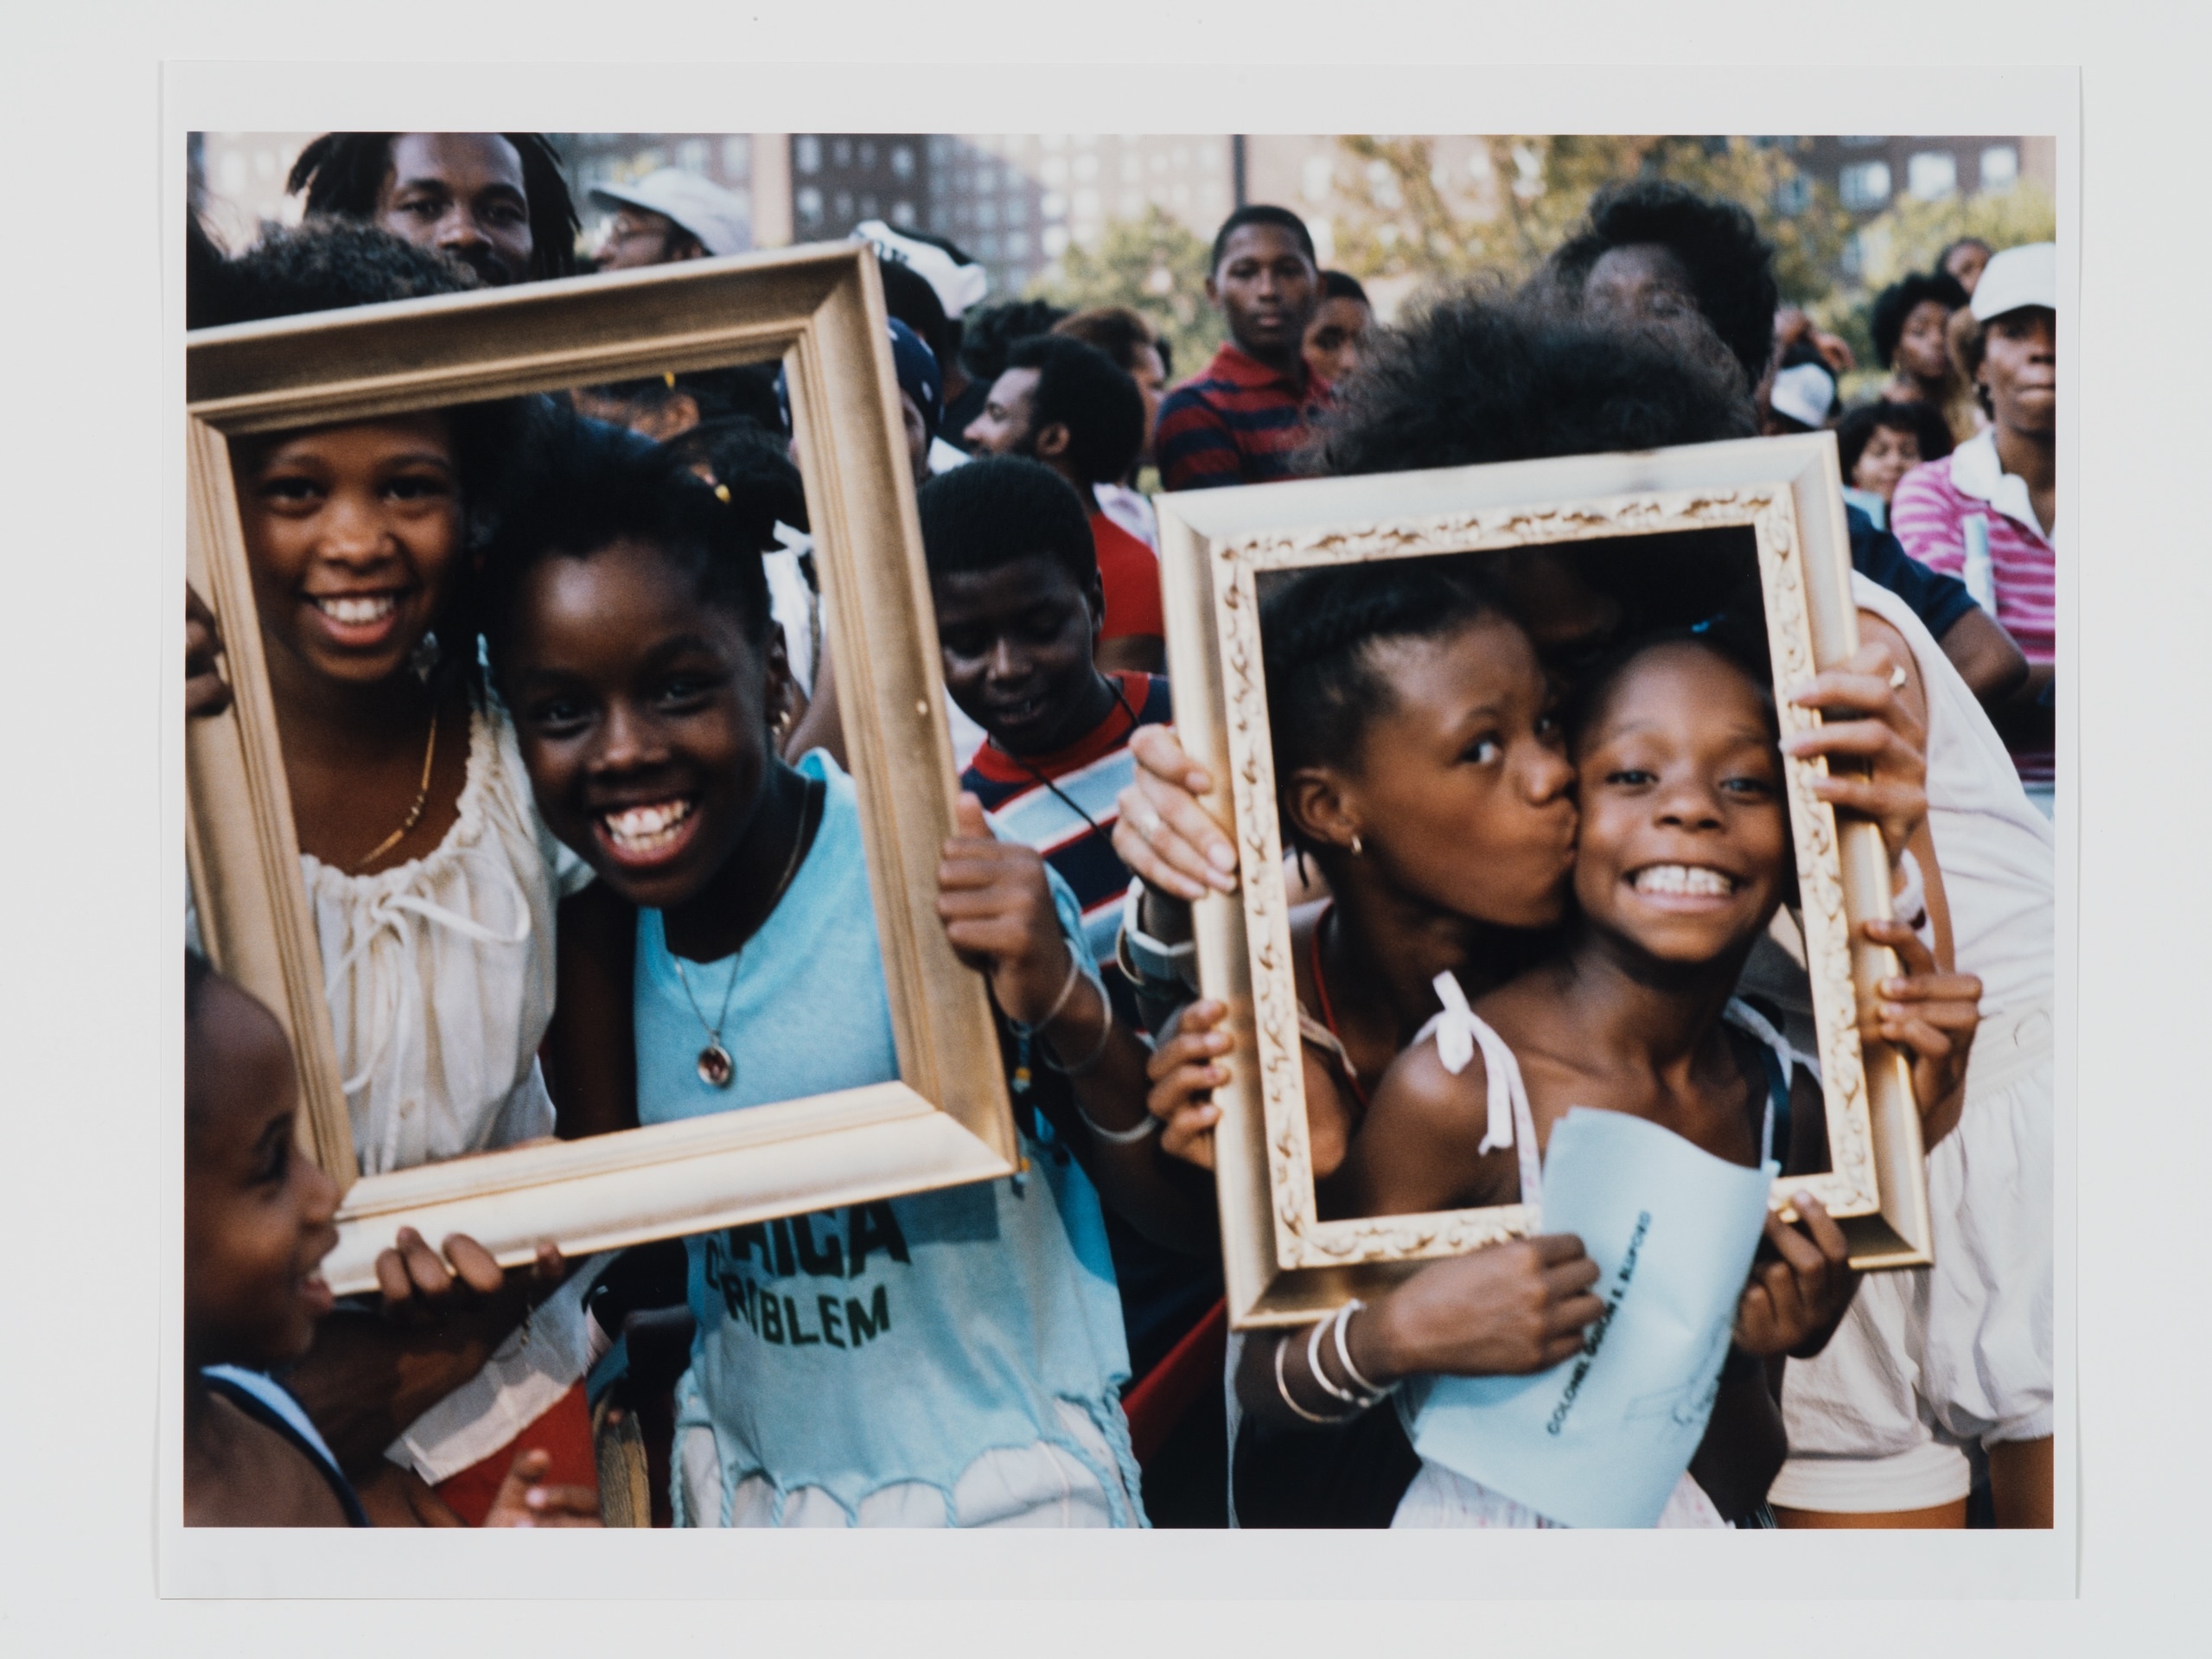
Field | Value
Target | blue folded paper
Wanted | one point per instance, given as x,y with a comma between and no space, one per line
1601,1439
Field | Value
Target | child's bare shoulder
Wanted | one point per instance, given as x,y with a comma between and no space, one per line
1420,1086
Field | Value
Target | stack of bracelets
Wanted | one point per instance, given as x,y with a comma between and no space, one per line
1358,1398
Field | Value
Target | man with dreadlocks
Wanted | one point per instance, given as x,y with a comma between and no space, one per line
494,200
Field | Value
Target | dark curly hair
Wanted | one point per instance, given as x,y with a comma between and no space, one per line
585,485
988,335
343,173
1121,333
1082,388
1731,266
1470,377
1318,630
1260,212
1923,420
999,508
333,265
1897,302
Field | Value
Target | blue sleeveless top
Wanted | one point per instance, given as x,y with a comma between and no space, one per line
857,1347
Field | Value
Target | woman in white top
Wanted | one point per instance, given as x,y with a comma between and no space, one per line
1958,1355
433,886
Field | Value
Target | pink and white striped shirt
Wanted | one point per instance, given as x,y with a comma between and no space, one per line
1929,515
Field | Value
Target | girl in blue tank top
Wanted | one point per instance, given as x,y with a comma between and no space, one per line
952,1358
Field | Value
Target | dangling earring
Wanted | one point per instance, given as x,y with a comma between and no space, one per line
1357,847
424,660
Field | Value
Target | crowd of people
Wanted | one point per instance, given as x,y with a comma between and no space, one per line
565,759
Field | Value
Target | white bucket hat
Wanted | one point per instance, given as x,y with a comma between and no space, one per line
710,213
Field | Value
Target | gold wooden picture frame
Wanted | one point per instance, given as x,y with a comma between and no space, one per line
1282,1262
821,311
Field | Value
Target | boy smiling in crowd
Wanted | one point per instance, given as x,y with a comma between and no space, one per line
1019,604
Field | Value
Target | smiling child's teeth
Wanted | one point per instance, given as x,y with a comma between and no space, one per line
1684,879
640,829
354,611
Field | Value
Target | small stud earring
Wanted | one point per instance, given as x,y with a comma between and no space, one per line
1357,847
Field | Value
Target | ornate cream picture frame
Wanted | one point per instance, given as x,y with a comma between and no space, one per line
1282,1263
821,311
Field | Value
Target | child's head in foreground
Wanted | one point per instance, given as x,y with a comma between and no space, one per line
1014,574
257,1210
1684,852
626,613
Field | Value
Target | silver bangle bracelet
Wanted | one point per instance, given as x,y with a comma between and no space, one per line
1357,1402
1067,990
1106,1035
1282,1388
1344,1351
1118,1137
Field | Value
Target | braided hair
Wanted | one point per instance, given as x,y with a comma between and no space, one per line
343,173
586,485
1319,630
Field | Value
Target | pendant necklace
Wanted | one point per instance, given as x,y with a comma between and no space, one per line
716,1068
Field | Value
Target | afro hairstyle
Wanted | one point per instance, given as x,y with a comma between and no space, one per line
1731,266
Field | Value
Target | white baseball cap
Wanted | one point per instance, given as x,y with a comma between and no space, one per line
958,286
1804,393
710,213
2017,278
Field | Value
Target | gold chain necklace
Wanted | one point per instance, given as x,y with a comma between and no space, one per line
422,798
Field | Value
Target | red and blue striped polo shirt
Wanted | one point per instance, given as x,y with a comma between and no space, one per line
1065,804
1240,421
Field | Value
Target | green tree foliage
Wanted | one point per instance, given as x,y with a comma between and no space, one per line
1410,222
1911,235
1155,265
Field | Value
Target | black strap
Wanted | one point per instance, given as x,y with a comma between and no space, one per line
254,1406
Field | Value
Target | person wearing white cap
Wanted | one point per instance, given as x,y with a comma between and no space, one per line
1799,399
1988,513
670,215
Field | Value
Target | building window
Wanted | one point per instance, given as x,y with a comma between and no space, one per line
1018,210
940,218
2000,167
692,155
1087,167
737,157
1132,204
806,151
1864,185
1792,195
1867,142
867,154
987,245
808,202
841,205
902,161
1055,241
867,206
940,148
987,214
1017,244
902,214
1932,175
841,152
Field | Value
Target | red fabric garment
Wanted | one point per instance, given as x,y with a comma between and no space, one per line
1239,422
1130,571
564,1429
